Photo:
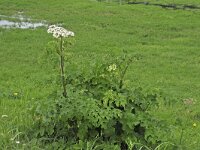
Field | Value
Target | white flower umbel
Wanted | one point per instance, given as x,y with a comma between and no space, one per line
59,31
61,34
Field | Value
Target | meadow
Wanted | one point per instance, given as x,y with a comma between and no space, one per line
167,41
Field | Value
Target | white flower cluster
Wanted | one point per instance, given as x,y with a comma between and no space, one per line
59,31
112,67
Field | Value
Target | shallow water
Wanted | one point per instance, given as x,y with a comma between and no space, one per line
22,22
18,16
21,25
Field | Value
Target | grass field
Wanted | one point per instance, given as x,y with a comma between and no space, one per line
167,40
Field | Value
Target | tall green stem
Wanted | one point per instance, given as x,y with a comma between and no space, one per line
181,138
62,68
122,76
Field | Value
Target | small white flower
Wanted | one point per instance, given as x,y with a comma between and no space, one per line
4,116
59,31
56,35
17,142
72,33
52,26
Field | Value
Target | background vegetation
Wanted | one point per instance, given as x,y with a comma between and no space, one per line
167,40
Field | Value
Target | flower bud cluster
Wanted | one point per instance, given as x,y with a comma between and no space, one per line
112,67
59,31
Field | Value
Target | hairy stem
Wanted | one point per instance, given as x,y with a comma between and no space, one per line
62,68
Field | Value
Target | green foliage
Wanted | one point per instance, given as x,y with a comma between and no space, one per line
101,104
51,55
169,44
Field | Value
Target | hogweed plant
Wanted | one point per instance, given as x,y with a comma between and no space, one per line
60,34
98,103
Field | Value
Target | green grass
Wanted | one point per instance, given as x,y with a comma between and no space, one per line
168,40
